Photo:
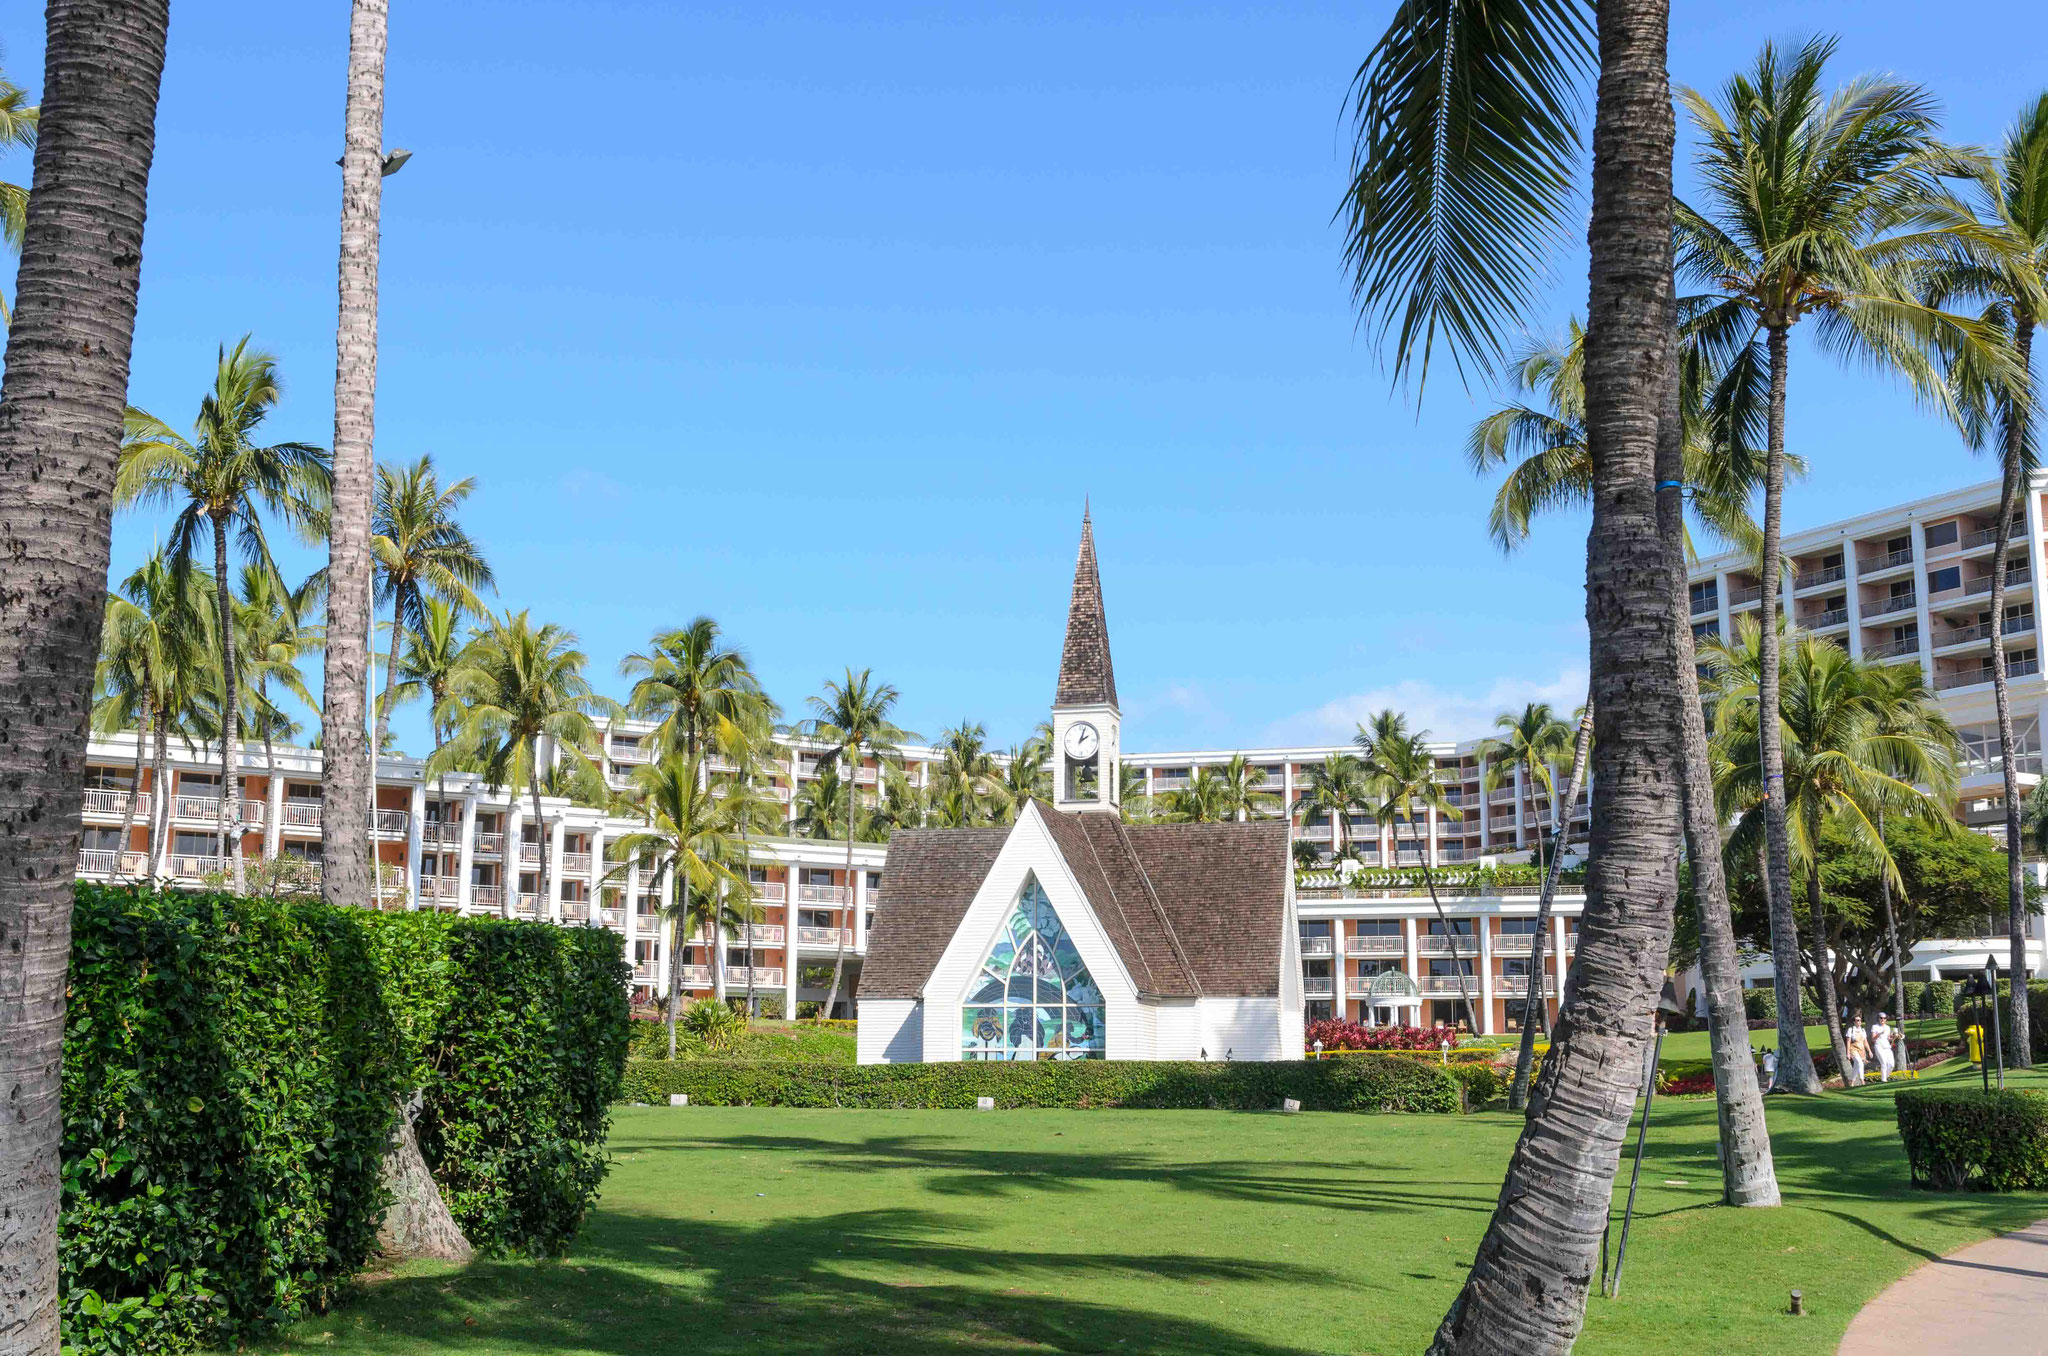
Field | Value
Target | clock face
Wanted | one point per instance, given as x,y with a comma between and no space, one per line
1082,741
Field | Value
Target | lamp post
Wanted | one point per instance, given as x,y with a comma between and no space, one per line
1667,1004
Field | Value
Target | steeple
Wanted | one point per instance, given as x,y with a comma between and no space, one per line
1086,676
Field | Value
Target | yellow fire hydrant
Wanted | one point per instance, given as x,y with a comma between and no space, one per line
1974,1034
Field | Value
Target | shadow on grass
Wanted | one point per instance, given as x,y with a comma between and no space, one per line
639,1284
964,1171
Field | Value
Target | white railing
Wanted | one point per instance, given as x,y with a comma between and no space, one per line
392,823
1821,621
770,892
645,972
765,934
630,753
195,807
1375,946
529,852
105,861
193,866
832,937
1514,943
1439,944
1314,833
576,861
612,917
822,894
1447,986
1318,986
2012,578
575,910
103,802
440,887
528,905
1813,579
696,976
1510,986
1744,597
1891,560
300,814
441,833
486,896
1904,602
492,843
1317,946
764,976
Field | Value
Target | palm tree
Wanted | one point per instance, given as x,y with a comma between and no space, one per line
1719,414
426,669
1401,772
1818,208
1204,800
821,804
968,773
519,684
17,130
1860,740
1133,805
61,387
2004,268
420,551
153,650
851,719
691,836
1337,788
274,632
750,748
1027,774
225,481
1243,797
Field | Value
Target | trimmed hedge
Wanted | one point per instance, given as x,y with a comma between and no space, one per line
1957,1139
1937,998
1362,1083
1760,1004
232,1073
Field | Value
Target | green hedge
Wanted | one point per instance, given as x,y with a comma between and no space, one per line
1955,1139
1364,1083
232,1069
1937,999
1760,1004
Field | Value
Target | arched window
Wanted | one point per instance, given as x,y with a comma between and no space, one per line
1032,997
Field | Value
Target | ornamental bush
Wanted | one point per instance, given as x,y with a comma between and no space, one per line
1958,1139
232,1073
1760,1004
1363,1083
1938,998
1336,1034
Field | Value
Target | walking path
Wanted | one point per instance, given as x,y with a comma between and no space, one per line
1987,1299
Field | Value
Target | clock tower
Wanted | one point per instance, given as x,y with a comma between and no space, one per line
1087,746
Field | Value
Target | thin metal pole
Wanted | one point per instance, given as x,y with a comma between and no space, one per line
1997,1040
1635,1175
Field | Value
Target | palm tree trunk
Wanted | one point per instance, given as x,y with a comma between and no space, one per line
753,1004
1891,932
1749,1174
61,398
1526,1293
346,764
377,745
160,812
540,828
2016,421
1457,961
1823,953
675,959
839,949
1525,1056
134,792
1795,1061
230,831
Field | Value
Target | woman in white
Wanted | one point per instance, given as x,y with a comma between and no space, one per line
1881,1046
1855,1051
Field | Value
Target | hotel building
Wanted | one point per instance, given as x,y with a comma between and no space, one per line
1907,584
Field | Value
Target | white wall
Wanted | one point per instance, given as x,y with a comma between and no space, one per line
890,1031
1244,1028
1177,1030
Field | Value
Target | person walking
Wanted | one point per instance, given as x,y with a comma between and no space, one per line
1770,1069
1881,1046
1856,1049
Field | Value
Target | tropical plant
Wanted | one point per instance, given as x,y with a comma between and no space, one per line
426,670
2001,264
1204,800
1401,774
750,747
692,683
1133,805
1819,207
223,481
822,801
1244,796
17,131
1860,742
968,773
61,389
1027,774
691,836
154,654
420,551
519,684
1338,789
852,719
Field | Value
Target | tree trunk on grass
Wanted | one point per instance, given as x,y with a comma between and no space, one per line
160,810
61,403
1525,1055
418,1223
229,835
347,763
1526,1293
134,793
2015,459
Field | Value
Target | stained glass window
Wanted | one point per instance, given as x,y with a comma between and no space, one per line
1032,998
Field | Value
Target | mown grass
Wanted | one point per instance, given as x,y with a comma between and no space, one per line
807,1042
783,1231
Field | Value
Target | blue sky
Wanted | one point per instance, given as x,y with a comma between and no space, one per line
824,319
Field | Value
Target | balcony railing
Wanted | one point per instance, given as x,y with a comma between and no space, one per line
579,862
1988,536
1745,597
300,814
529,853
612,916
1314,833
528,905
770,892
1375,946
1318,986
695,976
1885,607
2023,668
1501,795
103,802
440,887
192,866
1834,616
1439,944
486,896
1441,986
391,823
644,972
764,976
1705,603
1891,560
491,844
1893,649
441,833
1963,635
765,934
1510,986
1317,946
822,894
630,753
1813,579
1514,943
832,937
2012,578
104,862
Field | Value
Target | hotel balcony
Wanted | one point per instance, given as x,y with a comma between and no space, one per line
1826,621
1314,833
114,804
486,896
645,972
1885,607
1318,986
490,844
1513,943
575,910
1446,986
439,887
529,905
1972,677
612,916
1702,604
2019,578
1988,536
441,833
1510,986
391,823
188,866
104,861
1745,597
578,862
832,937
630,753
770,892
299,814
529,853
1501,795
1387,985
1170,781
1439,944
1967,635
823,894
762,976
1813,579
1890,560
765,934
1893,649
1317,946
695,976
206,810
1375,946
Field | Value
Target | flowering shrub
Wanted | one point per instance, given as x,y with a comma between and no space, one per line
1690,1085
1340,1035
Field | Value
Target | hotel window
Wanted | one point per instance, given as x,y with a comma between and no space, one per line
1439,927
1941,580
103,840
1706,596
1450,967
1514,969
1941,534
1368,968
1377,927
108,779
1033,997
1894,545
1518,927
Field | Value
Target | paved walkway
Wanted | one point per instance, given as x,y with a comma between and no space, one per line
1988,1299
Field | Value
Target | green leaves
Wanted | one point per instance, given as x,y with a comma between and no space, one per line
194,1105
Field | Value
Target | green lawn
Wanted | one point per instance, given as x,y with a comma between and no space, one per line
1921,1031
780,1231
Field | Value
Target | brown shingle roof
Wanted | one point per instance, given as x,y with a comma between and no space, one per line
1193,909
1086,676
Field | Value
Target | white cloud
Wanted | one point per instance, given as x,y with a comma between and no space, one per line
1184,699
1444,713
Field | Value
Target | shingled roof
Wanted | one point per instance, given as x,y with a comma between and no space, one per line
1194,910
1086,676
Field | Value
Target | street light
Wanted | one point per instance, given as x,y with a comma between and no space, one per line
394,161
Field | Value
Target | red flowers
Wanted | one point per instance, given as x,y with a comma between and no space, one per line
1336,1035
